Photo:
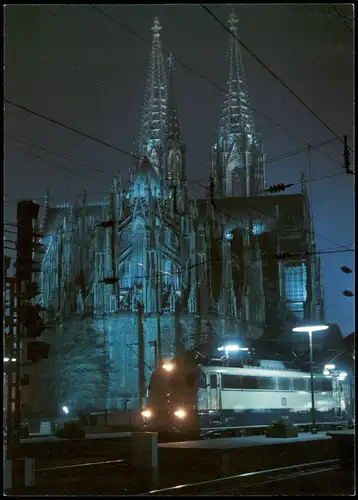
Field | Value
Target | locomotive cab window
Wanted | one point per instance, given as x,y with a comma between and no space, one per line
202,381
213,381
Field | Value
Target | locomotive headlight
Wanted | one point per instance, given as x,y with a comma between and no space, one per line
146,413
169,367
180,413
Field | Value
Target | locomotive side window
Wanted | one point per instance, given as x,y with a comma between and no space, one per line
266,383
213,381
327,385
231,381
301,384
284,384
250,382
317,384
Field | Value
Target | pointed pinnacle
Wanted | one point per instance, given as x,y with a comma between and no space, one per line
232,20
156,27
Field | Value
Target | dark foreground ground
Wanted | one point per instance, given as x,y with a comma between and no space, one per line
182,465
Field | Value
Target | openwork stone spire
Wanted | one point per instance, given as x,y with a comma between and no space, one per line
236,115
154,116
238,162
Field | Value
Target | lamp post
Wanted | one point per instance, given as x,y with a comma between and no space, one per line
310,329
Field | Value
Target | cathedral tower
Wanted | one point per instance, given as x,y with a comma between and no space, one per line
160,145
238,160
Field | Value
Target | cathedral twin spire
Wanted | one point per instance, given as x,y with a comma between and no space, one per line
160,129
238,162
236,115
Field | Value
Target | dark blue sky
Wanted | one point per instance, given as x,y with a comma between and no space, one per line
74,65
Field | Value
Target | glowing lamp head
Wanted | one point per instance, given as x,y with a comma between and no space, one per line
146,413
310,328
180,413
329,367
169,367
65,409
232,348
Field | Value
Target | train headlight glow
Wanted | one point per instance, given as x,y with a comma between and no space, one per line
146,413
180,413
168,367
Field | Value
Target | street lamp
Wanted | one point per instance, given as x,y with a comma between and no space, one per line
309,329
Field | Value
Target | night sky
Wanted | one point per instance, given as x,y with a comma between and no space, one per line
74,65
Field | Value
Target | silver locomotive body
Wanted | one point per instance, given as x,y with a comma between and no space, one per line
197,399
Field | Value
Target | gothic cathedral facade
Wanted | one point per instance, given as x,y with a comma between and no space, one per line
149,273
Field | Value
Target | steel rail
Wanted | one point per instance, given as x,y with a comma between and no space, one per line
76,466
178,488
285,477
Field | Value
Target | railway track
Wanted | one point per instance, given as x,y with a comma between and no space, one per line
243,482
299,471
80,465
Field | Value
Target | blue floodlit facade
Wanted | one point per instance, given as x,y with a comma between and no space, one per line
167,273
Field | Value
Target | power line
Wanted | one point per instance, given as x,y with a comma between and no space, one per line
83,134
62,157
274,217
283,156
341,16
101,142
204,78
87,177
57,165
272,73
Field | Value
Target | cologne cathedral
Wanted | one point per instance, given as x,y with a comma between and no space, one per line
148,273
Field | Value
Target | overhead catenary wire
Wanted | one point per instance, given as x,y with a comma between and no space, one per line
342,17
206,79
57,165
86,165
99,140
72,129
272,73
